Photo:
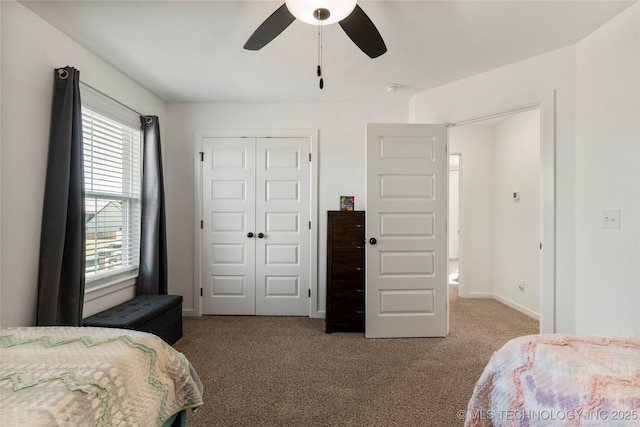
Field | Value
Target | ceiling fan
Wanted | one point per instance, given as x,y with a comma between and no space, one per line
347,13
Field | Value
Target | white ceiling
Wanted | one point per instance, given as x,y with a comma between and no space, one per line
191,51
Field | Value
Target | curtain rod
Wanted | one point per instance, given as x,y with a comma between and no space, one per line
111,98
494,116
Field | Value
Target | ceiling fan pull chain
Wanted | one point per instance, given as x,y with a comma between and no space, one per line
319,70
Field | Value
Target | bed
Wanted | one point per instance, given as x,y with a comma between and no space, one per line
566,380
67,376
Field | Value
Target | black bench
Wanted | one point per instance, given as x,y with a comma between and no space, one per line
157,314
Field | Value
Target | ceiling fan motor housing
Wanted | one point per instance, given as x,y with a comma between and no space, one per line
321,14
316,11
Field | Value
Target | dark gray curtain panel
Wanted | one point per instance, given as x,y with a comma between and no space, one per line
61,274
152,278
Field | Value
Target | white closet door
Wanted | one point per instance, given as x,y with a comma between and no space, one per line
256,238
282,217
228,253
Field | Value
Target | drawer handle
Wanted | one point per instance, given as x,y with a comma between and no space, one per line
360,311
359,225
359,268
359,290
359,247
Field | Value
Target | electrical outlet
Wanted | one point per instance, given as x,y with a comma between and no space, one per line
521,285
611,218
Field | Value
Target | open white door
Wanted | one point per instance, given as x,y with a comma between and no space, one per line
406,219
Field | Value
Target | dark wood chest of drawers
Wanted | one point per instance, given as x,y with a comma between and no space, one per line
345,271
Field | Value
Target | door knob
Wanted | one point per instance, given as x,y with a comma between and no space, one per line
260,235
373,241
249,234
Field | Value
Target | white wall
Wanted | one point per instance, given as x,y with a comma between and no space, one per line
31,49
341,166
607,171
474,143
516,223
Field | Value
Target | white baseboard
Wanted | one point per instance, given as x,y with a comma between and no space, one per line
479,295
516,306
505,301
188,312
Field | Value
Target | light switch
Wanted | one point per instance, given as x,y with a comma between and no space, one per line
611,218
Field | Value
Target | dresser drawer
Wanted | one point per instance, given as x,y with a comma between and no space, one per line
348,232
347,303
352,290
348,309
346,264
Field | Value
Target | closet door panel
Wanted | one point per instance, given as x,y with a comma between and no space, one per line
282,216
228,187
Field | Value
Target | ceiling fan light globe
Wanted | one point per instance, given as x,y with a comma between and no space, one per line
304,10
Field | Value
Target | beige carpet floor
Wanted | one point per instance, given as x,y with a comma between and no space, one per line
285,371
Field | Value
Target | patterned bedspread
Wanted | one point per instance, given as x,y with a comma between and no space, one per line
65,376
559,380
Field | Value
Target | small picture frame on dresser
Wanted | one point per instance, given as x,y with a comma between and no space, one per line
346,203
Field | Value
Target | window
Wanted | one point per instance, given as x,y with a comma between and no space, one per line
112,196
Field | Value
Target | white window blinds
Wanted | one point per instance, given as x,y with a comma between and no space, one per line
112,195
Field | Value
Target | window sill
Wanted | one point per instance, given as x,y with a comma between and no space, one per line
110,285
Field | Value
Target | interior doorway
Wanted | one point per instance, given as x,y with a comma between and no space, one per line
500,210
454,218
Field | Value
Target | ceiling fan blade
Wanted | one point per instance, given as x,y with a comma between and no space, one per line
363,33
276,23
